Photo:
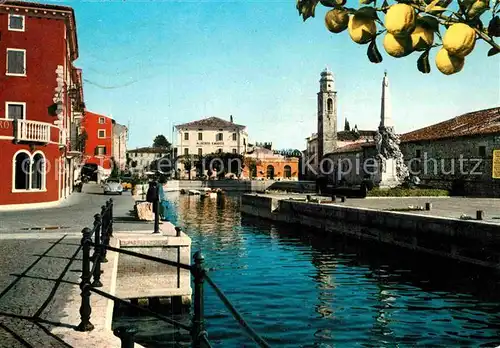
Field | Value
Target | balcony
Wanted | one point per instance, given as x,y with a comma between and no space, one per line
32,131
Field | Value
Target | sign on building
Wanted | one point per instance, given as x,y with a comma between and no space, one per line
496,164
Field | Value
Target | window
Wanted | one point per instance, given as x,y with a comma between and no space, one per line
329,105
287,171
100,150
29,171
482,151
186,136
101,133
186,152
234,136
234,150
200,152
15,111
218,137
16,62
200,136
101,120
418,153
16,22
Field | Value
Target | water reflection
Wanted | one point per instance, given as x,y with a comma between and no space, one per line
303,288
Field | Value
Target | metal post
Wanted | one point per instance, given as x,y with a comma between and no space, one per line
198,327
85,309
110,221
96,258
156,209
178,231
126,336
479,215
104,232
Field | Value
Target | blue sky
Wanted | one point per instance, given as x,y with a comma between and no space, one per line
174,62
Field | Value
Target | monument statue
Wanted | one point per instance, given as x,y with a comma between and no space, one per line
392,168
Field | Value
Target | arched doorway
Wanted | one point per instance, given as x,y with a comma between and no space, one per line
287,171
270,172
22,168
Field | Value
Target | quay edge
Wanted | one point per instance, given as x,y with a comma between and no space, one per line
469,241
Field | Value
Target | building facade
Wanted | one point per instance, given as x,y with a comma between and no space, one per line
99,143
211,135
41,103
264,163
140,159
457,154
119,146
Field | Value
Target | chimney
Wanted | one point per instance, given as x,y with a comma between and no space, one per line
231,118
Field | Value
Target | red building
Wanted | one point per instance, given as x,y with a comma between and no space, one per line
41,102
99,141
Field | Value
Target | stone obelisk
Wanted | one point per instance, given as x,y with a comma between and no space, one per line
392,170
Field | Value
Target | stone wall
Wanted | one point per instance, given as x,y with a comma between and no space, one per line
464,240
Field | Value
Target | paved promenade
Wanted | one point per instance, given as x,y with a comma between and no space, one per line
41,269
451,207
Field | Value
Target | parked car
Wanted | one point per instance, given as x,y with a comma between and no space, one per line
113,185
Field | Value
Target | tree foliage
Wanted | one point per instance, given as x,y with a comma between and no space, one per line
407,32
161,141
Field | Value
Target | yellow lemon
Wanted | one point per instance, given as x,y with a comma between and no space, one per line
459,40
447,63
361,29
336,20
422,37
400,19
397,46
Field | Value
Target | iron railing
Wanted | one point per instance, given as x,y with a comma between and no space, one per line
91,280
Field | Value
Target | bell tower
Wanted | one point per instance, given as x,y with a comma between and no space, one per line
327,114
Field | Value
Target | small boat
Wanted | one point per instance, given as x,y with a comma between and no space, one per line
183,192
194,192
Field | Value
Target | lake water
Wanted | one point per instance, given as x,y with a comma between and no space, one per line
301,288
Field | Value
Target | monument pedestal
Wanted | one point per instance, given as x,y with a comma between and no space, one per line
386,176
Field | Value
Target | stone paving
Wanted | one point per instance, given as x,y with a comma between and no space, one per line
39,282
451,207
75,214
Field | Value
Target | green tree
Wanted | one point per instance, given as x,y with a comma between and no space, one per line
411,26
161,141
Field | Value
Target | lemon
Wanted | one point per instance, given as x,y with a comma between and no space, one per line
459,40
336,20
447,63
422,37
361,29
400,19
397,46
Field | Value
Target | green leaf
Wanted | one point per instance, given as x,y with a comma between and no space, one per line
373,54
385,6
367,12
494,27
429,23
423,63
306,8
493,51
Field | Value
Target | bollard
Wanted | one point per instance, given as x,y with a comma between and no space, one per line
342,199
104,231
110,219
334,198
198,319
178,230
428,206
96,258
308,198
126,336
156,210
479,215
85,309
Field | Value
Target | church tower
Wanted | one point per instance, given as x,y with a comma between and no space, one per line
327,114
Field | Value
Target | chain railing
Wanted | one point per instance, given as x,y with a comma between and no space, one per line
102,232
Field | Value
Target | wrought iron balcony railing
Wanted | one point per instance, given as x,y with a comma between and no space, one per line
32,131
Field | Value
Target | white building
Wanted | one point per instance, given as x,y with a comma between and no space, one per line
140,159
210,135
